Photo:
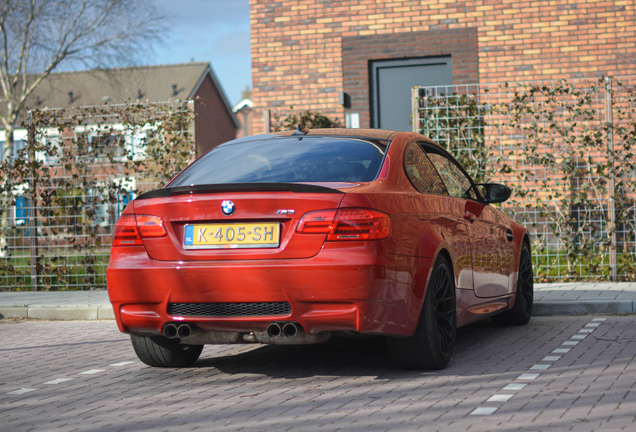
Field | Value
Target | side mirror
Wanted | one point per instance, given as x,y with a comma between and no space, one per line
494,192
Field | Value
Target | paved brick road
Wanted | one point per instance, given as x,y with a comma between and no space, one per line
557,373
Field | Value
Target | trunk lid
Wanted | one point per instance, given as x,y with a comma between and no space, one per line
257,207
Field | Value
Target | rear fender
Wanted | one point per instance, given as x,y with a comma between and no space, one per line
418,293
421,282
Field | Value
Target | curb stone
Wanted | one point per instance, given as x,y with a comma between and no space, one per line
551,308
13,311
59,313
551,299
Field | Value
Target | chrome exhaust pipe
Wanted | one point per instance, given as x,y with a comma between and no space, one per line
290,330
274,330
299,338
285,333
184,331
170,331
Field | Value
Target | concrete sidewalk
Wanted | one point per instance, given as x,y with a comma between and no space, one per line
575,298
58,305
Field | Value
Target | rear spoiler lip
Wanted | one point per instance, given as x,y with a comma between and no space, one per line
237,187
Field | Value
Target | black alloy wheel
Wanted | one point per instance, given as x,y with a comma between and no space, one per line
431,346
445,311
521,312
526,280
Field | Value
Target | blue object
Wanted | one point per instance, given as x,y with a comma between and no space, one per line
21,211
189,235
123,201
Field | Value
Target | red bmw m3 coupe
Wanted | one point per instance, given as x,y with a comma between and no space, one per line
290,238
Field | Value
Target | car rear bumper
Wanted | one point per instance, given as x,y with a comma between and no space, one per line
353,288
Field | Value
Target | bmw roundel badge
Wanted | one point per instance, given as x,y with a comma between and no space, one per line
228,208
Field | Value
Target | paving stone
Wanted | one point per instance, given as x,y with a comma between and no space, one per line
343,385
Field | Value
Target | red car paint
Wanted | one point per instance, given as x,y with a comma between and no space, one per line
366,286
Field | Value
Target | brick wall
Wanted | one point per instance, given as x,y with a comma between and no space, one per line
298,59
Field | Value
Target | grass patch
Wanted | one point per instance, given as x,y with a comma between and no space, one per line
55,272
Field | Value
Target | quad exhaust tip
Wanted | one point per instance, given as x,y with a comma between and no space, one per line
174,331
274,330
289,330
184,331
170,331
277,333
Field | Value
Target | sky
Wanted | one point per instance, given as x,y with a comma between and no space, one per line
214,31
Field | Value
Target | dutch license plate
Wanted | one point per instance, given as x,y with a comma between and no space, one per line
230,236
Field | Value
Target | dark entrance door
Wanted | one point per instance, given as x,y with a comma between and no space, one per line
391,83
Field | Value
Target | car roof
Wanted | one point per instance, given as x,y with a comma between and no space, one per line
378,134
372,134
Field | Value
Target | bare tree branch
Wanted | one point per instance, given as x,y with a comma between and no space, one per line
4,71
25,40
24,49
38,36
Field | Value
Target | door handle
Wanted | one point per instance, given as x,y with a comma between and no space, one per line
470,217
509,235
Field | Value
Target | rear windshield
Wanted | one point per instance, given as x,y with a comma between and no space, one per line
287,160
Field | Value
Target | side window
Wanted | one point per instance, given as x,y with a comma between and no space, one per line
457,184
421,172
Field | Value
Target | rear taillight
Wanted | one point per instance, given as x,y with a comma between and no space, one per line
150,226
360,224
130,229
347,224
317,222
126,232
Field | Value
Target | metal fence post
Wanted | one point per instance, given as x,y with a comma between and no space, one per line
610,193
266,121
415,106
33,214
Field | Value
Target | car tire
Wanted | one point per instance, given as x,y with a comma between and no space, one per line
431,346
158,351
521,312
